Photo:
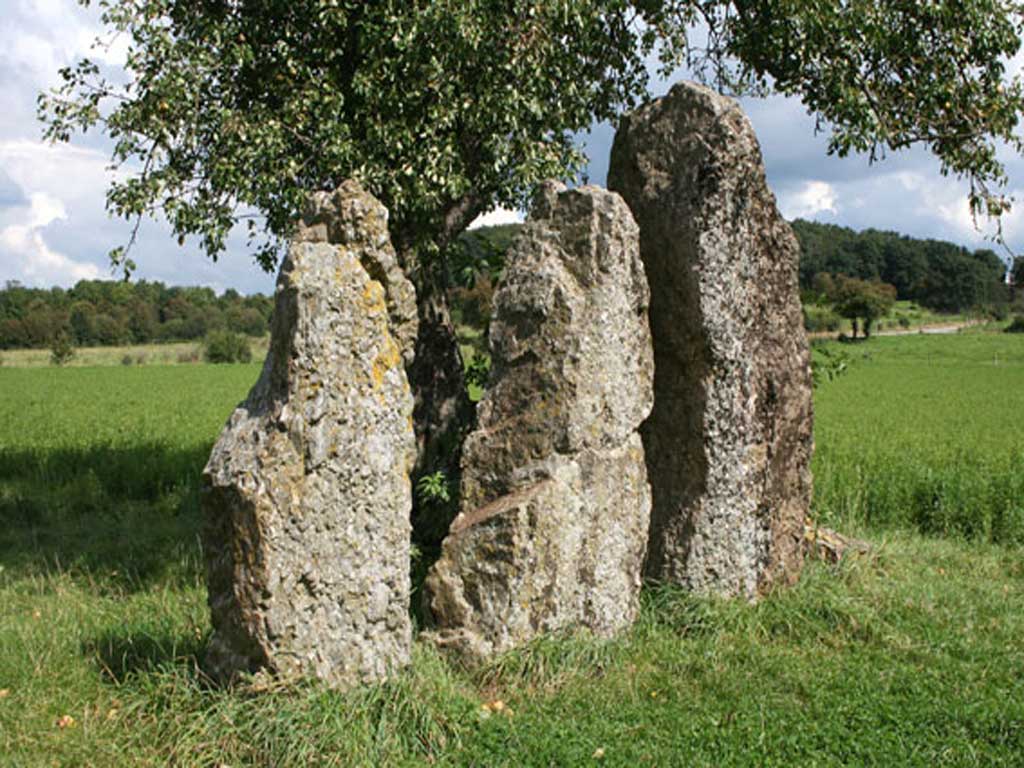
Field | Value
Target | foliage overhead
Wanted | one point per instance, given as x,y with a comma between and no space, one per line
234,109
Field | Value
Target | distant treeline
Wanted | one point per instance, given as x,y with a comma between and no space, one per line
107,313
936,274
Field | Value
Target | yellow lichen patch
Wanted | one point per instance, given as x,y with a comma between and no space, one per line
373,297
388,357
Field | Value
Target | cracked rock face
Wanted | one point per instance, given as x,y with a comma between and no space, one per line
729,441
306,495
555,501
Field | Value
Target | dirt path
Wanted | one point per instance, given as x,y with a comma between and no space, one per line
944,328
929,329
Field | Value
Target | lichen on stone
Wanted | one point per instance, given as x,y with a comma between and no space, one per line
306,496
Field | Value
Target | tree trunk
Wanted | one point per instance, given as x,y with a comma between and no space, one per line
442,407
442,412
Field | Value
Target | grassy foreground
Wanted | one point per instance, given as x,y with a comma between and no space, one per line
909,656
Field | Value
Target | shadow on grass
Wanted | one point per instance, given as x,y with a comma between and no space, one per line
122,655
126,517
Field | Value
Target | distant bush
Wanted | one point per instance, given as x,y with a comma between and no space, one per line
226,347
62,351
1017,326
998,312
127,360
904,321
818,318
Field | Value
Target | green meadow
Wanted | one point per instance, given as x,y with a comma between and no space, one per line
909,655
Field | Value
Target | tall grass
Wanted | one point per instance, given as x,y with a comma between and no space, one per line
99,467
923,433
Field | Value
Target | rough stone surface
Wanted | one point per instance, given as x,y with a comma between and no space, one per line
356,220
555,502
729,441
306,495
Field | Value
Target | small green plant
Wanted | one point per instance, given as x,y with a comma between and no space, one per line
62,351
433,489
818,318
1017,326
478,370
226,347
828,365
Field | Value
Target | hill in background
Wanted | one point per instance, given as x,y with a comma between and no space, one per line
936,274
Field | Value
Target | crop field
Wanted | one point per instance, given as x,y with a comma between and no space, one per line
909,655
923,433
171,353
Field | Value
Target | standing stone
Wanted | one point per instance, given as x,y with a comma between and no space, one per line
555,501
306,495
729,441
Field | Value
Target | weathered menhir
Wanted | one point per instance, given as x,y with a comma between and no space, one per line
555,501
307,495
729,441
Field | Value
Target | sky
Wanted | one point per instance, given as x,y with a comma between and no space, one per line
54,228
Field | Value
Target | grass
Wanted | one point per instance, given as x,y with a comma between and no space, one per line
908,656
920,434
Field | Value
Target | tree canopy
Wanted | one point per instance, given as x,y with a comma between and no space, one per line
937,274
107,312
234,109
866,300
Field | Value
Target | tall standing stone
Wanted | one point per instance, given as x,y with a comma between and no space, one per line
729,441
307,495
555,501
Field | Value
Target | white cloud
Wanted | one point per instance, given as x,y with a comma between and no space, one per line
26,255
76,174
496,217
905,193
44,209
813,198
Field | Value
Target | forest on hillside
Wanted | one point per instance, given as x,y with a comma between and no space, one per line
936,274
110,313
939,275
